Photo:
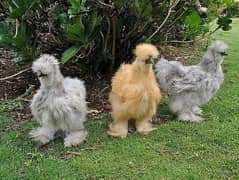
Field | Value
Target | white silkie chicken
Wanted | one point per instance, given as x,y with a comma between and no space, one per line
189,87
59,104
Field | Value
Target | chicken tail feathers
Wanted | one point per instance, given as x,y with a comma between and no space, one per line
166,71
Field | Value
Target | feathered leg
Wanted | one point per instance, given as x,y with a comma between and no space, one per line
43,134
75,132
184,111
118,128
189,116
190,113
197,111
143,125
175,106
75,137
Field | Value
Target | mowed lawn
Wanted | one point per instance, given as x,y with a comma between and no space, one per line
176,150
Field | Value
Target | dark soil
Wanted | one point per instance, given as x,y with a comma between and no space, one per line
24,85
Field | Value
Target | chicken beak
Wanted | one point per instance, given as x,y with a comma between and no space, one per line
42,75
149,61
224,54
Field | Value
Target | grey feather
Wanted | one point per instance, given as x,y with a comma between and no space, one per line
59,104
191,86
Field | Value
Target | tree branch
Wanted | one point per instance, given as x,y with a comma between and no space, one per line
104,4
195,40
172,5
14,75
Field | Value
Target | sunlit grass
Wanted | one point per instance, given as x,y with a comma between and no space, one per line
176,150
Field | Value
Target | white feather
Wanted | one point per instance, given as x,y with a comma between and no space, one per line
59,104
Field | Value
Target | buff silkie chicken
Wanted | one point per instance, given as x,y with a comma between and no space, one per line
189,87
135,93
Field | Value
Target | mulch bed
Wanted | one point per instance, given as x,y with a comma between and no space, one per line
98,87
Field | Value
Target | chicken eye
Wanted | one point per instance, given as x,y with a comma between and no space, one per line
149,61
41,74
223,53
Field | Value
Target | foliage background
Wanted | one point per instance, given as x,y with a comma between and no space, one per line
99,35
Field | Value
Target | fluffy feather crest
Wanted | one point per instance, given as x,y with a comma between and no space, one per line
218,46
45,64
145,50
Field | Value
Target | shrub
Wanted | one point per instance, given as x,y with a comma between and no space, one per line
100,34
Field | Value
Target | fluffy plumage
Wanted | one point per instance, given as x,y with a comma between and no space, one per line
191,86
135,93
59,104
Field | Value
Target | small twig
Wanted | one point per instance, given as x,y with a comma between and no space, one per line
103,39
164,21
104,4
96,147
100,93
24,99
133,32
93,111
74,153
52,9
27,92
107,36
195,40
177,41
14,75
2,4
17,26
176,19
140,34
114,24
161,151
180,57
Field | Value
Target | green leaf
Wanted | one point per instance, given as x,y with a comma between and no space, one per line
227,2
94,34
227,28
142,8
76,29
120,3
91,24
69,53
77,8
21,38
224,21
193,21
148,10
18,8
205,29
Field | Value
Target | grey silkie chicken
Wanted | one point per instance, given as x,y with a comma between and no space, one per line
189,87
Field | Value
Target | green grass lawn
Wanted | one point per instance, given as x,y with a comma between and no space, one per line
176,150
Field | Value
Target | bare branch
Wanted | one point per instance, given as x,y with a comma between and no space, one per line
104,4
14,75
172,5
17,27
195,40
